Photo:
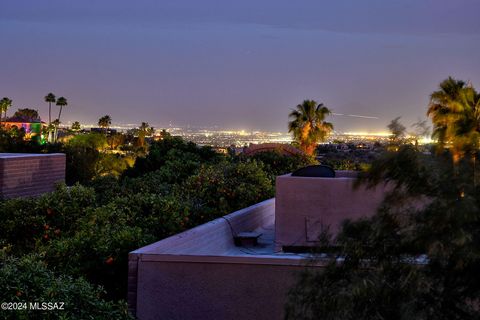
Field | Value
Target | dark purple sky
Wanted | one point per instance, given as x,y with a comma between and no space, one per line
239,64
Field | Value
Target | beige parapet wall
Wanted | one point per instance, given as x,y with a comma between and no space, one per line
306,206
26,175
201,274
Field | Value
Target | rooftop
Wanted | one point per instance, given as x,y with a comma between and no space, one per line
202,272
214,241
27,155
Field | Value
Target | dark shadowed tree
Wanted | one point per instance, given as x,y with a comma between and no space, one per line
105,122
397,130
27,115
76,126
421,129
5,104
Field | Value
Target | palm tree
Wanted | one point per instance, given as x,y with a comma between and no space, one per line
455,114
76,126
50,98
5,104
308,125
61,102
54,127
105,122
143,131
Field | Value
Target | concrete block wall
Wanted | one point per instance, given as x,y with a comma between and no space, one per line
27,175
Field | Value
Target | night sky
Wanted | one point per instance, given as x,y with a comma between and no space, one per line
236,64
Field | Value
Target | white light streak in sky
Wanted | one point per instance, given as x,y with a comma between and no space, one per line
354,115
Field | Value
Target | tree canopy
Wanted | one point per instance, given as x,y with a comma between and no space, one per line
27,115
308,125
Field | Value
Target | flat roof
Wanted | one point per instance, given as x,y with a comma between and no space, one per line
24,155
214,241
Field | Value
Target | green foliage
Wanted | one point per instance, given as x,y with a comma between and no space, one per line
415,259
90,140
28,279
28,222
112,164
76,126
176,150
21,223
357,160
455,113
86,232
81,163
98,250
5,104
85,161
226,187
276,164
27,115
12,141
308,125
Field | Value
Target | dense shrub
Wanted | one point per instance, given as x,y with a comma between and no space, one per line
357,160
81,163
226,187
27,222
112,164
99,248
172,149
28,279
276,164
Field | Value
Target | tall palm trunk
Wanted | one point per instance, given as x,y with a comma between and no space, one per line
50,135
56,126
60,113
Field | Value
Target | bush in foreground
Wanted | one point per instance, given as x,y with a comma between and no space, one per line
27,279
408,261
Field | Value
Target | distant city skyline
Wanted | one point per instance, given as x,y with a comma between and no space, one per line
236,64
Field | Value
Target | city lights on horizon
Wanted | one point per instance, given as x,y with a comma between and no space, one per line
220,137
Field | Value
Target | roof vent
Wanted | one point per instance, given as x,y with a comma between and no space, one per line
321,171
246,239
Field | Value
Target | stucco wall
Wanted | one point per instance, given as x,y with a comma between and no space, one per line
306,206
182,290
201,274
23,175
